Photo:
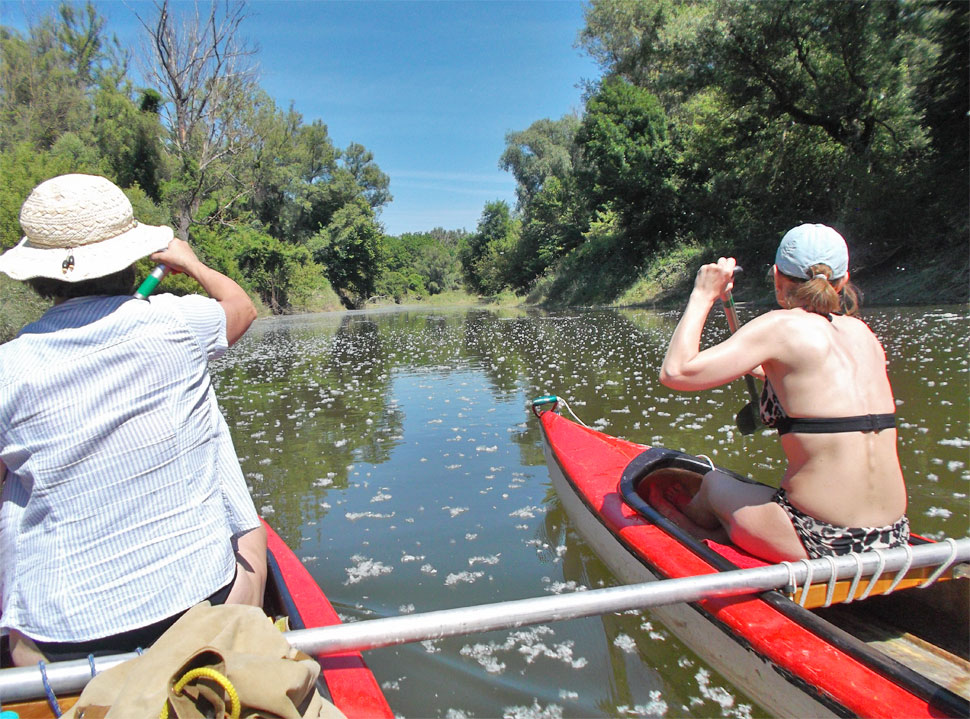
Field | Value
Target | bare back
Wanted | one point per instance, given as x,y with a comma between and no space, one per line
836,368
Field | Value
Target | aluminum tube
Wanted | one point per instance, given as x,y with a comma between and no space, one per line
376,633
65,677
71,677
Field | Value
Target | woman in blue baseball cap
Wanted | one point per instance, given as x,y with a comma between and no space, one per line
827,393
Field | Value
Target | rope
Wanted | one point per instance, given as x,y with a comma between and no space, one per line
902,572
709,461
94,672
808,581
218,678
944,566
855,579
875,575
792,585
566,405
51,698
833,580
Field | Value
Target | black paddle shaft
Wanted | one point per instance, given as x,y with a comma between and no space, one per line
748,418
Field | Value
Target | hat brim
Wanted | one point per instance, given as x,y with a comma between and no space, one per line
97,259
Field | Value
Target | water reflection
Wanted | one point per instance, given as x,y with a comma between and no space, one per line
394,452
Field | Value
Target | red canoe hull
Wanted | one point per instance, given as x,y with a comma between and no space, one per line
788,669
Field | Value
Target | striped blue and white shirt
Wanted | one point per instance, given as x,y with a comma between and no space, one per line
123,489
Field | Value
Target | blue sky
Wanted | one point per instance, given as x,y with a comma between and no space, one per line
431,88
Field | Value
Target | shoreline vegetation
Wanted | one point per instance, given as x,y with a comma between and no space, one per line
714,128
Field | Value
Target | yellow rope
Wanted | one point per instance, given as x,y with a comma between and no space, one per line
210,673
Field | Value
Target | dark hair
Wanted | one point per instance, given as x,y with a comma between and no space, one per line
818,294
119,283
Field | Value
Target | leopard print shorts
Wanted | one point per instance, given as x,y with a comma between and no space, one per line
822,539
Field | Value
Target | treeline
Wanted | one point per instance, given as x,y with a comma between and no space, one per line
262,195
717,125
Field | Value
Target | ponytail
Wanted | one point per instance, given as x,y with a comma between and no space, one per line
818,294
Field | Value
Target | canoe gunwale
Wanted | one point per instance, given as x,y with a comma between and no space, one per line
657,458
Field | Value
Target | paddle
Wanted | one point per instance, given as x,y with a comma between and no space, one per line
748,418
25,682
151,282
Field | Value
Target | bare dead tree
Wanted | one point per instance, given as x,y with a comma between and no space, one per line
207,74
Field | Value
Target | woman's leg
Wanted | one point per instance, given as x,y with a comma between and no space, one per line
753,521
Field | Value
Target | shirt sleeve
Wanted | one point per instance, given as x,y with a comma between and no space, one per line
203,316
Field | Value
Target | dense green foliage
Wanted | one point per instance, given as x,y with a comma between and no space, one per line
718,125
261,195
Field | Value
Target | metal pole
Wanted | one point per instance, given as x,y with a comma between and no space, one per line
25,683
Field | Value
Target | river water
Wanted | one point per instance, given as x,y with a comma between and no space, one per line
394,452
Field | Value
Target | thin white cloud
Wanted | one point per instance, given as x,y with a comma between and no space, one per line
503,179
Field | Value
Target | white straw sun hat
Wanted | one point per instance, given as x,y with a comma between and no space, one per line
78,227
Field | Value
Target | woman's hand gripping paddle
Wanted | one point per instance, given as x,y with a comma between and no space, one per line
748,418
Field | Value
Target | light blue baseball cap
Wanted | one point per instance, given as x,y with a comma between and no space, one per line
808,245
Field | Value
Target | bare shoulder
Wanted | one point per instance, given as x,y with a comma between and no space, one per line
860,331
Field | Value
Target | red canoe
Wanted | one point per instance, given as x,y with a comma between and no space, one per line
290,590
899,655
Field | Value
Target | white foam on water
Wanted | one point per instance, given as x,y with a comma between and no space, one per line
560,587
720,696
657,707
365,568
430,647
625,643
463,577
536,711
472,561
354,516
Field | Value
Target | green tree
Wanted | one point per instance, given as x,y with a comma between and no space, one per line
486,260
350,248
129,140
546,149
628,163
440,268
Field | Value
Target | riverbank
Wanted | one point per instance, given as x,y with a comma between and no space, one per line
664,284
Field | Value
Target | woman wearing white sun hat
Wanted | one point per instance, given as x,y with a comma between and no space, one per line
826,391
123,503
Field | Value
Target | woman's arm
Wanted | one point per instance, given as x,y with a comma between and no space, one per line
250,548
685,367
239,309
